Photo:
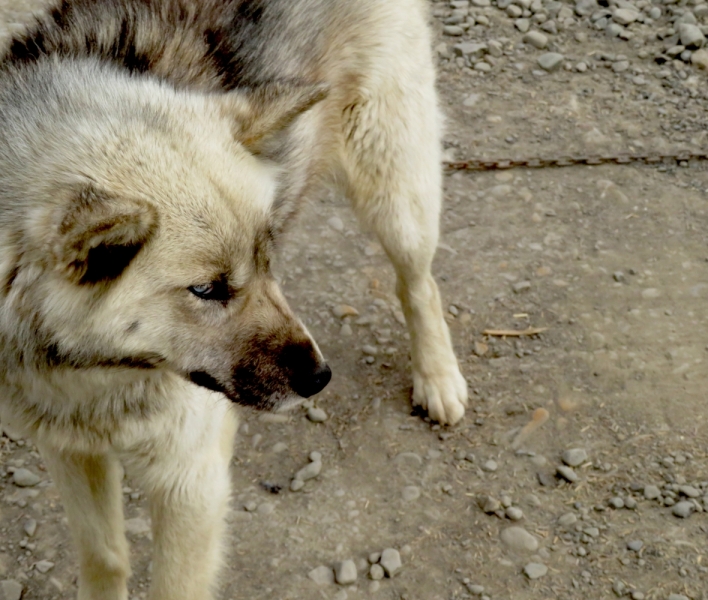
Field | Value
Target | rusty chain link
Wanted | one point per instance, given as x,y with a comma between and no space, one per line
498,164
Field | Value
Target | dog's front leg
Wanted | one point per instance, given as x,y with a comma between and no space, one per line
90,486
183,467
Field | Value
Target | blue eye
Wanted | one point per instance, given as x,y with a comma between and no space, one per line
203,290
218,290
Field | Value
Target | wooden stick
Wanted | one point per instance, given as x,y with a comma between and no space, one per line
514,332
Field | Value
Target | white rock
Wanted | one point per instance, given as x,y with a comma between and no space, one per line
322,575
345,572
625,16
390,561
536,39
517,538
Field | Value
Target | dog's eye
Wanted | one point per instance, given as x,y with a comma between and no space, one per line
215,290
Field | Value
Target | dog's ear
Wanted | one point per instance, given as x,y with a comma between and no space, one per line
100,233
261,112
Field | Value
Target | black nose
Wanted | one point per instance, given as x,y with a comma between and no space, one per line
307,385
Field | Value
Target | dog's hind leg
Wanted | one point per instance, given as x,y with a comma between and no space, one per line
90,486
391,155
182,464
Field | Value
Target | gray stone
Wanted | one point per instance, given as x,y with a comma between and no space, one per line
689,491
10,590
700,59
296,485
523,25
488,504
574,457
691,35
322,575
677,597
345,572
472,49
567,473
583,8
683,509
391,561
44,566
316,415
30,527
309,471
25,478
336,223
550,61
475,590
525,286
651,492
410,493
625,16
635,545
490,465
567,519
536,39
616,502
453,30
374,557
535,570
518,539
514,513
376,572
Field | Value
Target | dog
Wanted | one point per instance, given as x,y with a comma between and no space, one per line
152,153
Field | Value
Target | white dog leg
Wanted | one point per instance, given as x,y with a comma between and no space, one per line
392,157
184,469
90,486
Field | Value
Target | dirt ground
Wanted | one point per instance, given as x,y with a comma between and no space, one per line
612,261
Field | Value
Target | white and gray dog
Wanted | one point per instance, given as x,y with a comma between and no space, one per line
151,153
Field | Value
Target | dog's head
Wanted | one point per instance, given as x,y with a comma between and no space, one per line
149,230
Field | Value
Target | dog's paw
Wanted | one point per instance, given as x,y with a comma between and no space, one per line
443,395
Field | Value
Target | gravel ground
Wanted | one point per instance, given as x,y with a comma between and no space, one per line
580,470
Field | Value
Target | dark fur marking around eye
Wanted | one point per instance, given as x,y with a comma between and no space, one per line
106,263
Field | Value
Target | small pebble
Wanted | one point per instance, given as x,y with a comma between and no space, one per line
535,570
550,61
683,509
488,504
517,538
316,415
651,492
25,478
567,473
410,493
616,502
390,561
10,590
514,513
635,545
44,566
490,465
322,575
345,572
574,457
30,527
376,572
567,519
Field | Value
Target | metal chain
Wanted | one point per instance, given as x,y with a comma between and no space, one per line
497,164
